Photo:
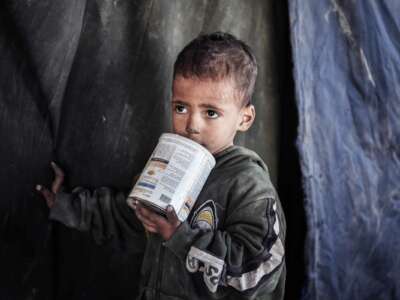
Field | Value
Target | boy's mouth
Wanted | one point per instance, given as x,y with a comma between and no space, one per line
193,139
198,142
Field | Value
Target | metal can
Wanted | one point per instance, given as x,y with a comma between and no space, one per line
174,175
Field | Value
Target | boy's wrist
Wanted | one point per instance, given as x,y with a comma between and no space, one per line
180,242
168,233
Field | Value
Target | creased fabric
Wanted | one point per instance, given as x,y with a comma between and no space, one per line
347,73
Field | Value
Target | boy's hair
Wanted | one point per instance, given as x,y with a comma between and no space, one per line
219,56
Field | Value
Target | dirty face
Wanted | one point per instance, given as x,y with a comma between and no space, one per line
208,112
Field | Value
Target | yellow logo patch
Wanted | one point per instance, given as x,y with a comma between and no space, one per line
205,217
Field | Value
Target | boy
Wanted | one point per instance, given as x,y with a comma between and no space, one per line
232,244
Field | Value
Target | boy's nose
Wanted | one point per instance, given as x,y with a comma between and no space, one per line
191,130
192,125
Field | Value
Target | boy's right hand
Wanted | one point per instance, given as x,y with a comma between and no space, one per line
155,223
50,195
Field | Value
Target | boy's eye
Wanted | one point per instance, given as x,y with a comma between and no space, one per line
212,114
180,109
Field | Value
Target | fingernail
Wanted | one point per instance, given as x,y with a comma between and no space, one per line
38,187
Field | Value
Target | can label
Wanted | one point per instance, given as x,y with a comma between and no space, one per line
174,175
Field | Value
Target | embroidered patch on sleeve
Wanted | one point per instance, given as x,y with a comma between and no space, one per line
205,216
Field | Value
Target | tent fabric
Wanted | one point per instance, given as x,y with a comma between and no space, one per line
347,72
87,83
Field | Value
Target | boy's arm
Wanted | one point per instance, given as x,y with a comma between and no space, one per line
103,212
248,255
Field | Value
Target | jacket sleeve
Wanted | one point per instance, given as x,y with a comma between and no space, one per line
103,212
246,253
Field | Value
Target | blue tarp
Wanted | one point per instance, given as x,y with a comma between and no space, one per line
347,74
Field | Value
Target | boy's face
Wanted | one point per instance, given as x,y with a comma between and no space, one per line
208,112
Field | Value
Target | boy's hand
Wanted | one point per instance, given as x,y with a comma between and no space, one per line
50,195
155,223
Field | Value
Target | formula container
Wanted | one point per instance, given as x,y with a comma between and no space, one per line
174,175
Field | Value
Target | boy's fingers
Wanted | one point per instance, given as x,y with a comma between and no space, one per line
57,169
47,195
150,228
152,219
145,220
159,220
140,210
59,178
171,216
145,212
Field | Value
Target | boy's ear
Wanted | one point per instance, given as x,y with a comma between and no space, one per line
248,115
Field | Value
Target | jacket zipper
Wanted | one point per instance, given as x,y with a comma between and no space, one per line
159,271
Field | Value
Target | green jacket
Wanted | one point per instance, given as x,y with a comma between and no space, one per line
230,247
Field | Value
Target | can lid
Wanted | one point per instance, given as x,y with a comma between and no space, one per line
204,150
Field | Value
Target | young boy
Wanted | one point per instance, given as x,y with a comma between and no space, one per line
232,244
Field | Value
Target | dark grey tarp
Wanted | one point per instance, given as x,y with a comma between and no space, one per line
347,75
87,83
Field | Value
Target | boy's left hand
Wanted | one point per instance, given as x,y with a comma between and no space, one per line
155,223
50,195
